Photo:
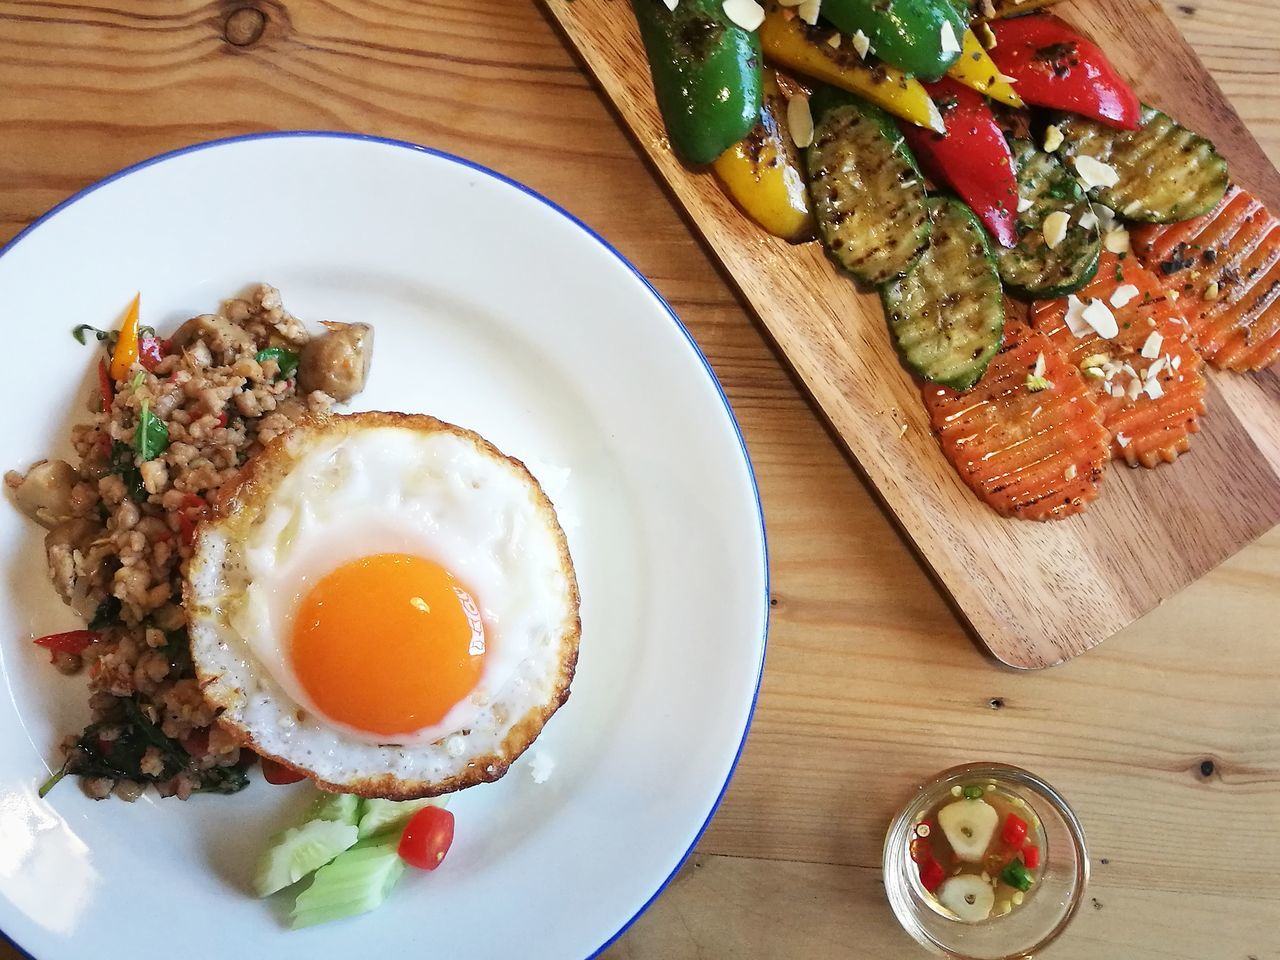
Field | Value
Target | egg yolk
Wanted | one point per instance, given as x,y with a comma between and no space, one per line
388,643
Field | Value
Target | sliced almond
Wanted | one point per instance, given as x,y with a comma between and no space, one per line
800,120
1101,319
1076,322
1151,346
745,13
1055,228
1122,295
1116,241
1095,173
950,42
1025,204
809,11
861,43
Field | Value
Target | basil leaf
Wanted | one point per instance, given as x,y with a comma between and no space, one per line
222,780
151,436
286,360
122,462
107,613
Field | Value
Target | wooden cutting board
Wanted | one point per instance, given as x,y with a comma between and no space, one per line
1035,593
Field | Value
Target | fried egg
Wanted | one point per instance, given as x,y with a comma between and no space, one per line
386,603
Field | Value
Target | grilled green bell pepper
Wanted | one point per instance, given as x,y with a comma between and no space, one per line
706,75
920,37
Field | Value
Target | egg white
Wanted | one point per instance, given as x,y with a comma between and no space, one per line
348,487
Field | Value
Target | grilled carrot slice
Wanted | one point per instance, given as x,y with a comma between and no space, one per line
1147,378
1037,454
1226,267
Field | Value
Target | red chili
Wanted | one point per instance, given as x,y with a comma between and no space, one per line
105,386
972,157
932,875
73,641
222,419
278,773
194,500
150,352
921,852
1056,67
1031,856
427,838
187,529
1015,831
197,742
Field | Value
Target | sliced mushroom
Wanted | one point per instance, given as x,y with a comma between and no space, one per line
218,333
337,362
44,494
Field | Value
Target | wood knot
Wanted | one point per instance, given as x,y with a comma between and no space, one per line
1207,767
996,703
244,26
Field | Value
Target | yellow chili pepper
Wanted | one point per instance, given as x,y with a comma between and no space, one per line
787,40
976,69
125,354
764,174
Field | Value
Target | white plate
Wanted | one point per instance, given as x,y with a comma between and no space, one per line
493,309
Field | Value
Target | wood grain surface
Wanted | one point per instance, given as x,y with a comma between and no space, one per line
1036,594
1166,738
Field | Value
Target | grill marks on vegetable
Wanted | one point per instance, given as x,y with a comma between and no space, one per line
869,199
1037,456
1145,430
1167,173
947,312
1031,268
1226,267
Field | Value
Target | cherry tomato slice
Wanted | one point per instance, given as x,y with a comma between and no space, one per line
427,838
278,773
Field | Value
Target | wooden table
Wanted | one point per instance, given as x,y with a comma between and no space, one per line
1166,739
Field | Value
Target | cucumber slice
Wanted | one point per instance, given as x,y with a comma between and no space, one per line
868,195
947,314
1167,173
300,850
356,882
1031,269
338,807
384,816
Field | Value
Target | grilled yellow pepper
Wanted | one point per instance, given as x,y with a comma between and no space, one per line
764,174
789,41
976,69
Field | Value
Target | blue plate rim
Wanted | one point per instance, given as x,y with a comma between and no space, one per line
556,208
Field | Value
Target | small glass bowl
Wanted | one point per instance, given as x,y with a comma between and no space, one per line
1030,928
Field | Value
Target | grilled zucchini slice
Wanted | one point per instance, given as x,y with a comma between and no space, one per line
947,313
1167,173
868,195
1032,269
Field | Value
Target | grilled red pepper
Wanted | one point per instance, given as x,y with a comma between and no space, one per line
972,157
73,641
1056,67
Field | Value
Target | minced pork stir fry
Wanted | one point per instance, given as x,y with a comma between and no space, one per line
172,421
